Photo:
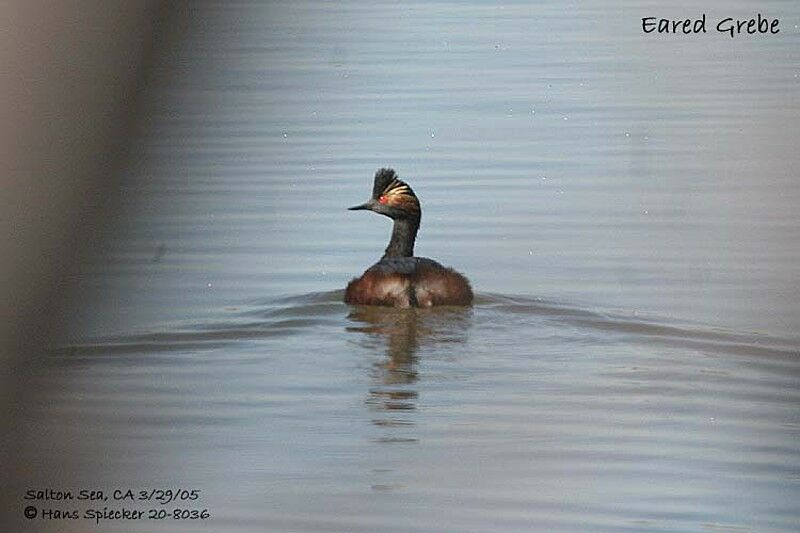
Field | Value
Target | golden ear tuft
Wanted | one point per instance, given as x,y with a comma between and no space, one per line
397,188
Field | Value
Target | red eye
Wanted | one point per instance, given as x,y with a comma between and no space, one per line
383,200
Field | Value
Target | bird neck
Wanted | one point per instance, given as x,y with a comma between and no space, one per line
404,233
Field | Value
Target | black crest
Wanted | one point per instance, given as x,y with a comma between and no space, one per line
383,177
386,179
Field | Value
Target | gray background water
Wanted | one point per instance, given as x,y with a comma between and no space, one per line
625,206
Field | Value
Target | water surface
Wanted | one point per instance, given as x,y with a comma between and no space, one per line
625,206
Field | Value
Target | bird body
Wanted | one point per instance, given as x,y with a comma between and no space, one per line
409,282
399,279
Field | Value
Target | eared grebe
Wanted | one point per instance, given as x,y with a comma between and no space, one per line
399,279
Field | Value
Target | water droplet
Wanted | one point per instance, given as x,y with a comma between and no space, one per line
566,118
209,285
627,134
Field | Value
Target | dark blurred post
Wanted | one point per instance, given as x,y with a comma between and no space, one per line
73,74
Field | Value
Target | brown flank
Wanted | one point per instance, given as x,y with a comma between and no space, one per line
426,287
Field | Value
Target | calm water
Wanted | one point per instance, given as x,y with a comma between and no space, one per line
625,206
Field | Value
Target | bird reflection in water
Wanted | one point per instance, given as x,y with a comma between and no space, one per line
405,333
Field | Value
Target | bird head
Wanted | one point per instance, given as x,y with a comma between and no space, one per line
391,197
